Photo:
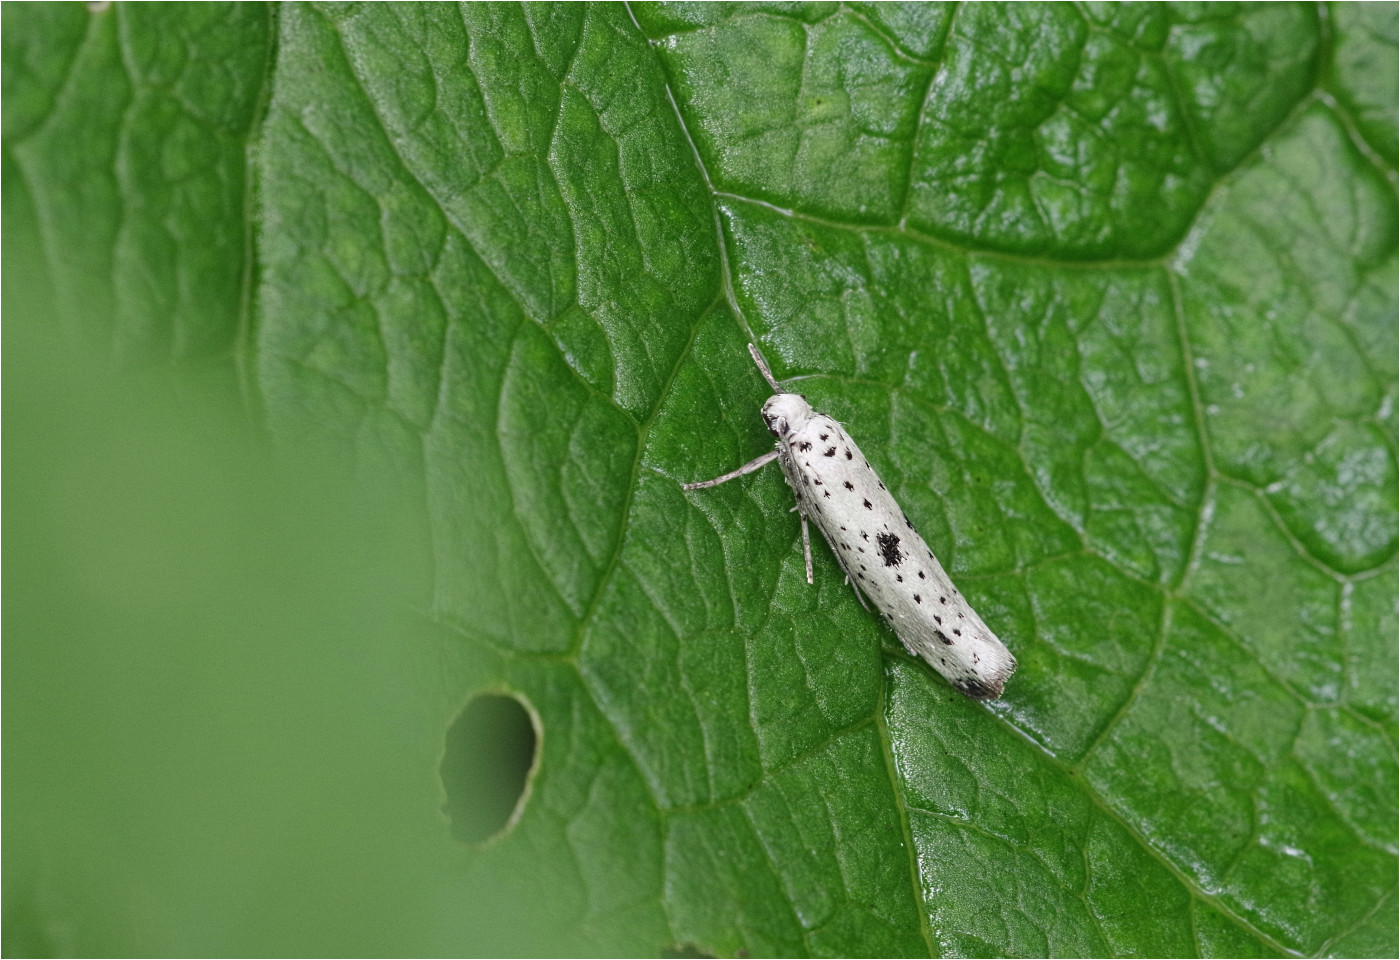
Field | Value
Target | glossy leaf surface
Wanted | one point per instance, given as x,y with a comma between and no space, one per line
1106,293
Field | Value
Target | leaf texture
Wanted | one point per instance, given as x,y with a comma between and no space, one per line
1107,294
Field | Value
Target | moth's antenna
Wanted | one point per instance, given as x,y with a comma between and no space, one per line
763,369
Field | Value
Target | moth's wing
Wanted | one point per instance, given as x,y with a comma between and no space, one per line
796,467
977,664
887,561
855,585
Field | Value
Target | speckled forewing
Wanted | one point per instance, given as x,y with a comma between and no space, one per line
887,559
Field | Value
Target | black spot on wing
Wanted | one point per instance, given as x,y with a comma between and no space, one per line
849,485
976,689
848,455
868,506
917,599
921,574
831,452
889,549
942,636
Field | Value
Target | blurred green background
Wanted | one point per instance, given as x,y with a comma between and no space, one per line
354,356
225,702
224,706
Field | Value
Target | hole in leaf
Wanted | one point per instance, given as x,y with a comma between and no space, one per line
487,766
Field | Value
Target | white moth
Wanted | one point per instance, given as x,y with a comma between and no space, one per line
882,554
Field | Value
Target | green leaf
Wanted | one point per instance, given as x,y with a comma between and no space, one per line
130,133
1107,295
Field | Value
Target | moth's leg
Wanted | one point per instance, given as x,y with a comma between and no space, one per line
844,569
859,596
757,463
807,549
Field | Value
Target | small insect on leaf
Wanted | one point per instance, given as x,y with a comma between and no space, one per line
972,659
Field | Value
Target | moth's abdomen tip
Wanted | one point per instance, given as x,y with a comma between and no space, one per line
977,689
982,688
991,682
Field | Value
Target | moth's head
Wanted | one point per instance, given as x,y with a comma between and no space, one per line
786,412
